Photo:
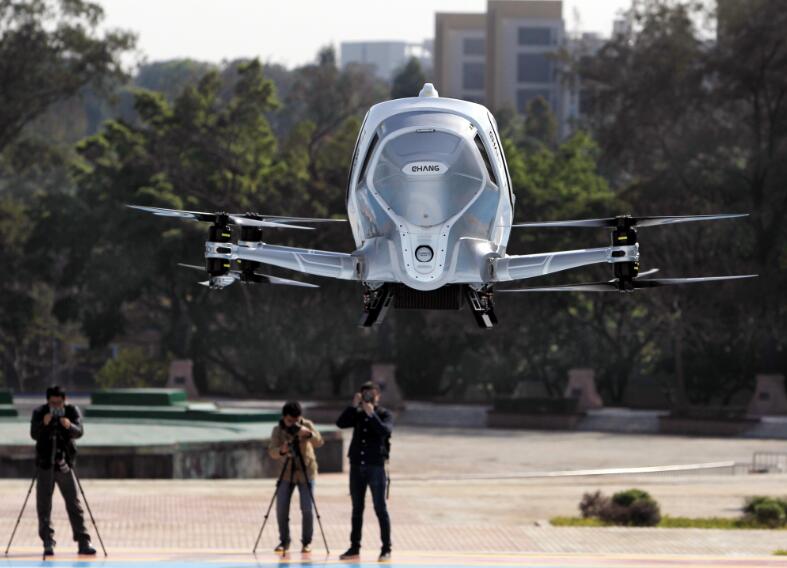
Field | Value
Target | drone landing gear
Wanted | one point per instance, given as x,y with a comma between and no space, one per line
483,308
376,303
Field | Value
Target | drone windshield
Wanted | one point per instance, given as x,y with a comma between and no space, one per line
428,176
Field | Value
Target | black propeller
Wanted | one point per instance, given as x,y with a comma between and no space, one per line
618,285
244,276
240,219
627,221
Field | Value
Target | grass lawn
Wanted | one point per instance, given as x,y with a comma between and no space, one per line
668,522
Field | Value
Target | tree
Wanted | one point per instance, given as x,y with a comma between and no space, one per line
49,50
408,80
691,126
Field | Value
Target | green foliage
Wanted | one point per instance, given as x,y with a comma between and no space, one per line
49,50
632,507
408,80
679,125
132,368
687,125
629,497
769,513
667,522
765,511
592,504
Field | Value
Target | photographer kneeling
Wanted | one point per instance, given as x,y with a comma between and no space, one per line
54,426
292,438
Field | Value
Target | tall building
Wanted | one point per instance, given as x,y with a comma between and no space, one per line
460,56
523,39
385,57
505,57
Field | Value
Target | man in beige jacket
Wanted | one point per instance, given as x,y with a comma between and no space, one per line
292,429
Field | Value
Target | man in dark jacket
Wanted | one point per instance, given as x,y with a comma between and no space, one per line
372,426
54,426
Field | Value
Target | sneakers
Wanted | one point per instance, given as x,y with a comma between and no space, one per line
49,549
385,555
85,549
307,548
351,554
282,548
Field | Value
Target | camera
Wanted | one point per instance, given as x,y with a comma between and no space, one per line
57,413
367,395
293,430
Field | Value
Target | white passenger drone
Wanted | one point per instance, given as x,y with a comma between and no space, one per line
430,205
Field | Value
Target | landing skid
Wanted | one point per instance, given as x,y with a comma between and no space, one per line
376,304
483,308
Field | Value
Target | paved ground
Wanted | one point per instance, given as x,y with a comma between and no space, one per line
459,517
187,559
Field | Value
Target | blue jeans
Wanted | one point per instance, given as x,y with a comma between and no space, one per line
373,477
283,499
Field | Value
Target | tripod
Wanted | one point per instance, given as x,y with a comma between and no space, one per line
295,450
30,489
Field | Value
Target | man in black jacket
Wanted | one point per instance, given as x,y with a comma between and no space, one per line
54,426
372,426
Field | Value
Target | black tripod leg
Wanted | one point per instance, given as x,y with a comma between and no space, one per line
93,520
270,505
314,502
19,518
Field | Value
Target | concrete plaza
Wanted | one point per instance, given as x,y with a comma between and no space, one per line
445,500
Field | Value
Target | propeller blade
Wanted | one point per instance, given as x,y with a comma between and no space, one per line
192,266
612,222
612,285
247,222
658,282
654,221
589,287
276,280
574,223
195,215
285,219
648,272
246,219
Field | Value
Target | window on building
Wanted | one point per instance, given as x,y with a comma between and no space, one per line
524,96
534,68
473,76
535,36
474,46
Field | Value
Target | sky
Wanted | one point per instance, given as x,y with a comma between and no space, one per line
291,32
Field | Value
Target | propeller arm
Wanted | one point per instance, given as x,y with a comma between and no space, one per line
319,263
520,267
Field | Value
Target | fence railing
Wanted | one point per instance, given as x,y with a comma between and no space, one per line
769,462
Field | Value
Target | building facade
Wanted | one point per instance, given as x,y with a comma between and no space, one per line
460,56
506,57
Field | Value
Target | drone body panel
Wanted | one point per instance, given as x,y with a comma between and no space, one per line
429,198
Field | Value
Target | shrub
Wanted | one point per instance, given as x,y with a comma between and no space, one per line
765,511
635,508
629,497
592,504
769,513
751,503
